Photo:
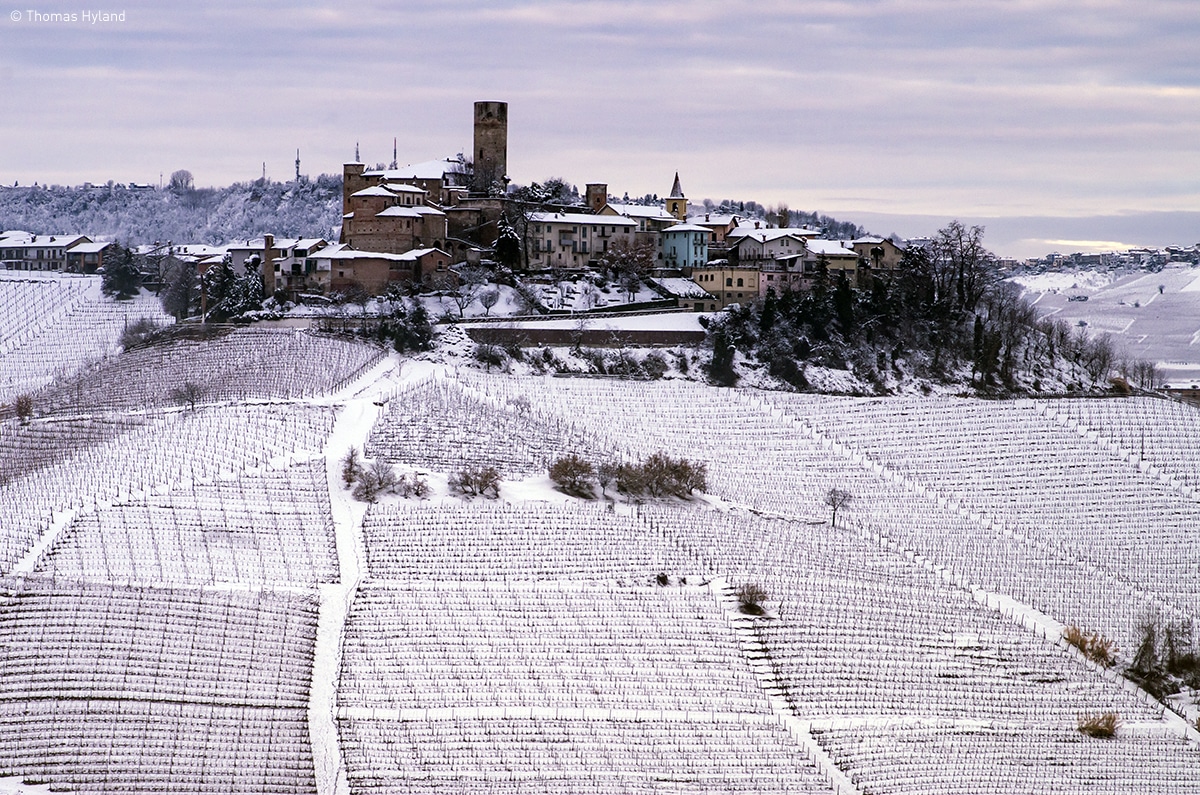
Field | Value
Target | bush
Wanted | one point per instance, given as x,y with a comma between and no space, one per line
654,365
137,332
412,486
476,481
24,407
489,355
573,475
750,598
1102,725
1094,646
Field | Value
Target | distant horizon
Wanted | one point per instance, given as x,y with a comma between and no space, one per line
1010,237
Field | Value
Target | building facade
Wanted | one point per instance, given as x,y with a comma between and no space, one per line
574,240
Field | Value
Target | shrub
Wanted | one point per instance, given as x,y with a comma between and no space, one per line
475,481
24,407
750,598
1094,646
412,486
654,365
1102,725
573,475
489,355
137,332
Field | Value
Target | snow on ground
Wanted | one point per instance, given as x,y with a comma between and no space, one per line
1151,316
664,321
1059,281
12,785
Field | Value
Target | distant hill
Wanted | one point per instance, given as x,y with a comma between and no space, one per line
307,207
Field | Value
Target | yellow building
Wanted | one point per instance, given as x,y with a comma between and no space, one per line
728,284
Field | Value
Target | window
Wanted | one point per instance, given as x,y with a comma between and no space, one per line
740,283
729,282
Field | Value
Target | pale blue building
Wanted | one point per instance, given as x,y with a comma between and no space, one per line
683,246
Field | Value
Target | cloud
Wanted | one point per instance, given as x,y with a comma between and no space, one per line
1012,108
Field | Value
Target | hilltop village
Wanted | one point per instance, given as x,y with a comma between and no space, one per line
419,226
793,300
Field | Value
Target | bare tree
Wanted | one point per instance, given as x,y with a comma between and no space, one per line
489,298
750,598
188,392
476,480
963,269
377,479
836,499
181,181
471,282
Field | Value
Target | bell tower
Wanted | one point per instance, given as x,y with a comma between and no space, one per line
491,145
677,202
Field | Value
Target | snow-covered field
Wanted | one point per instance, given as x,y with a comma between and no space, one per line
194,602
1151,316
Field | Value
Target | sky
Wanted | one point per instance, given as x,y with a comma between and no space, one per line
1071,125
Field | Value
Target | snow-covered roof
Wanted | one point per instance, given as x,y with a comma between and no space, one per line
399,212
198,250
430,169
31,241
830,248
374,190
342,252
88,248
400,187
687,228
681,288
642,211
713,219
581,218
767,235
417,253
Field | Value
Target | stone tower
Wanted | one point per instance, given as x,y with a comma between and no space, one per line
597,196
491,145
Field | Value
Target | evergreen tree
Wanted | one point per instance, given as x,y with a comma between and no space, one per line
508,245
218,285
121,277
721,371
181,299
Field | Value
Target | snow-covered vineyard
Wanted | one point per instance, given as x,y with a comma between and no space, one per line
193,602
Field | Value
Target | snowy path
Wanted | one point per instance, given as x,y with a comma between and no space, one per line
364,401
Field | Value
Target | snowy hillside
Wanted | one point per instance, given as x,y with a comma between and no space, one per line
1151,316
194,601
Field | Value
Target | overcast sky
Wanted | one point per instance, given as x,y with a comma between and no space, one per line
897,114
